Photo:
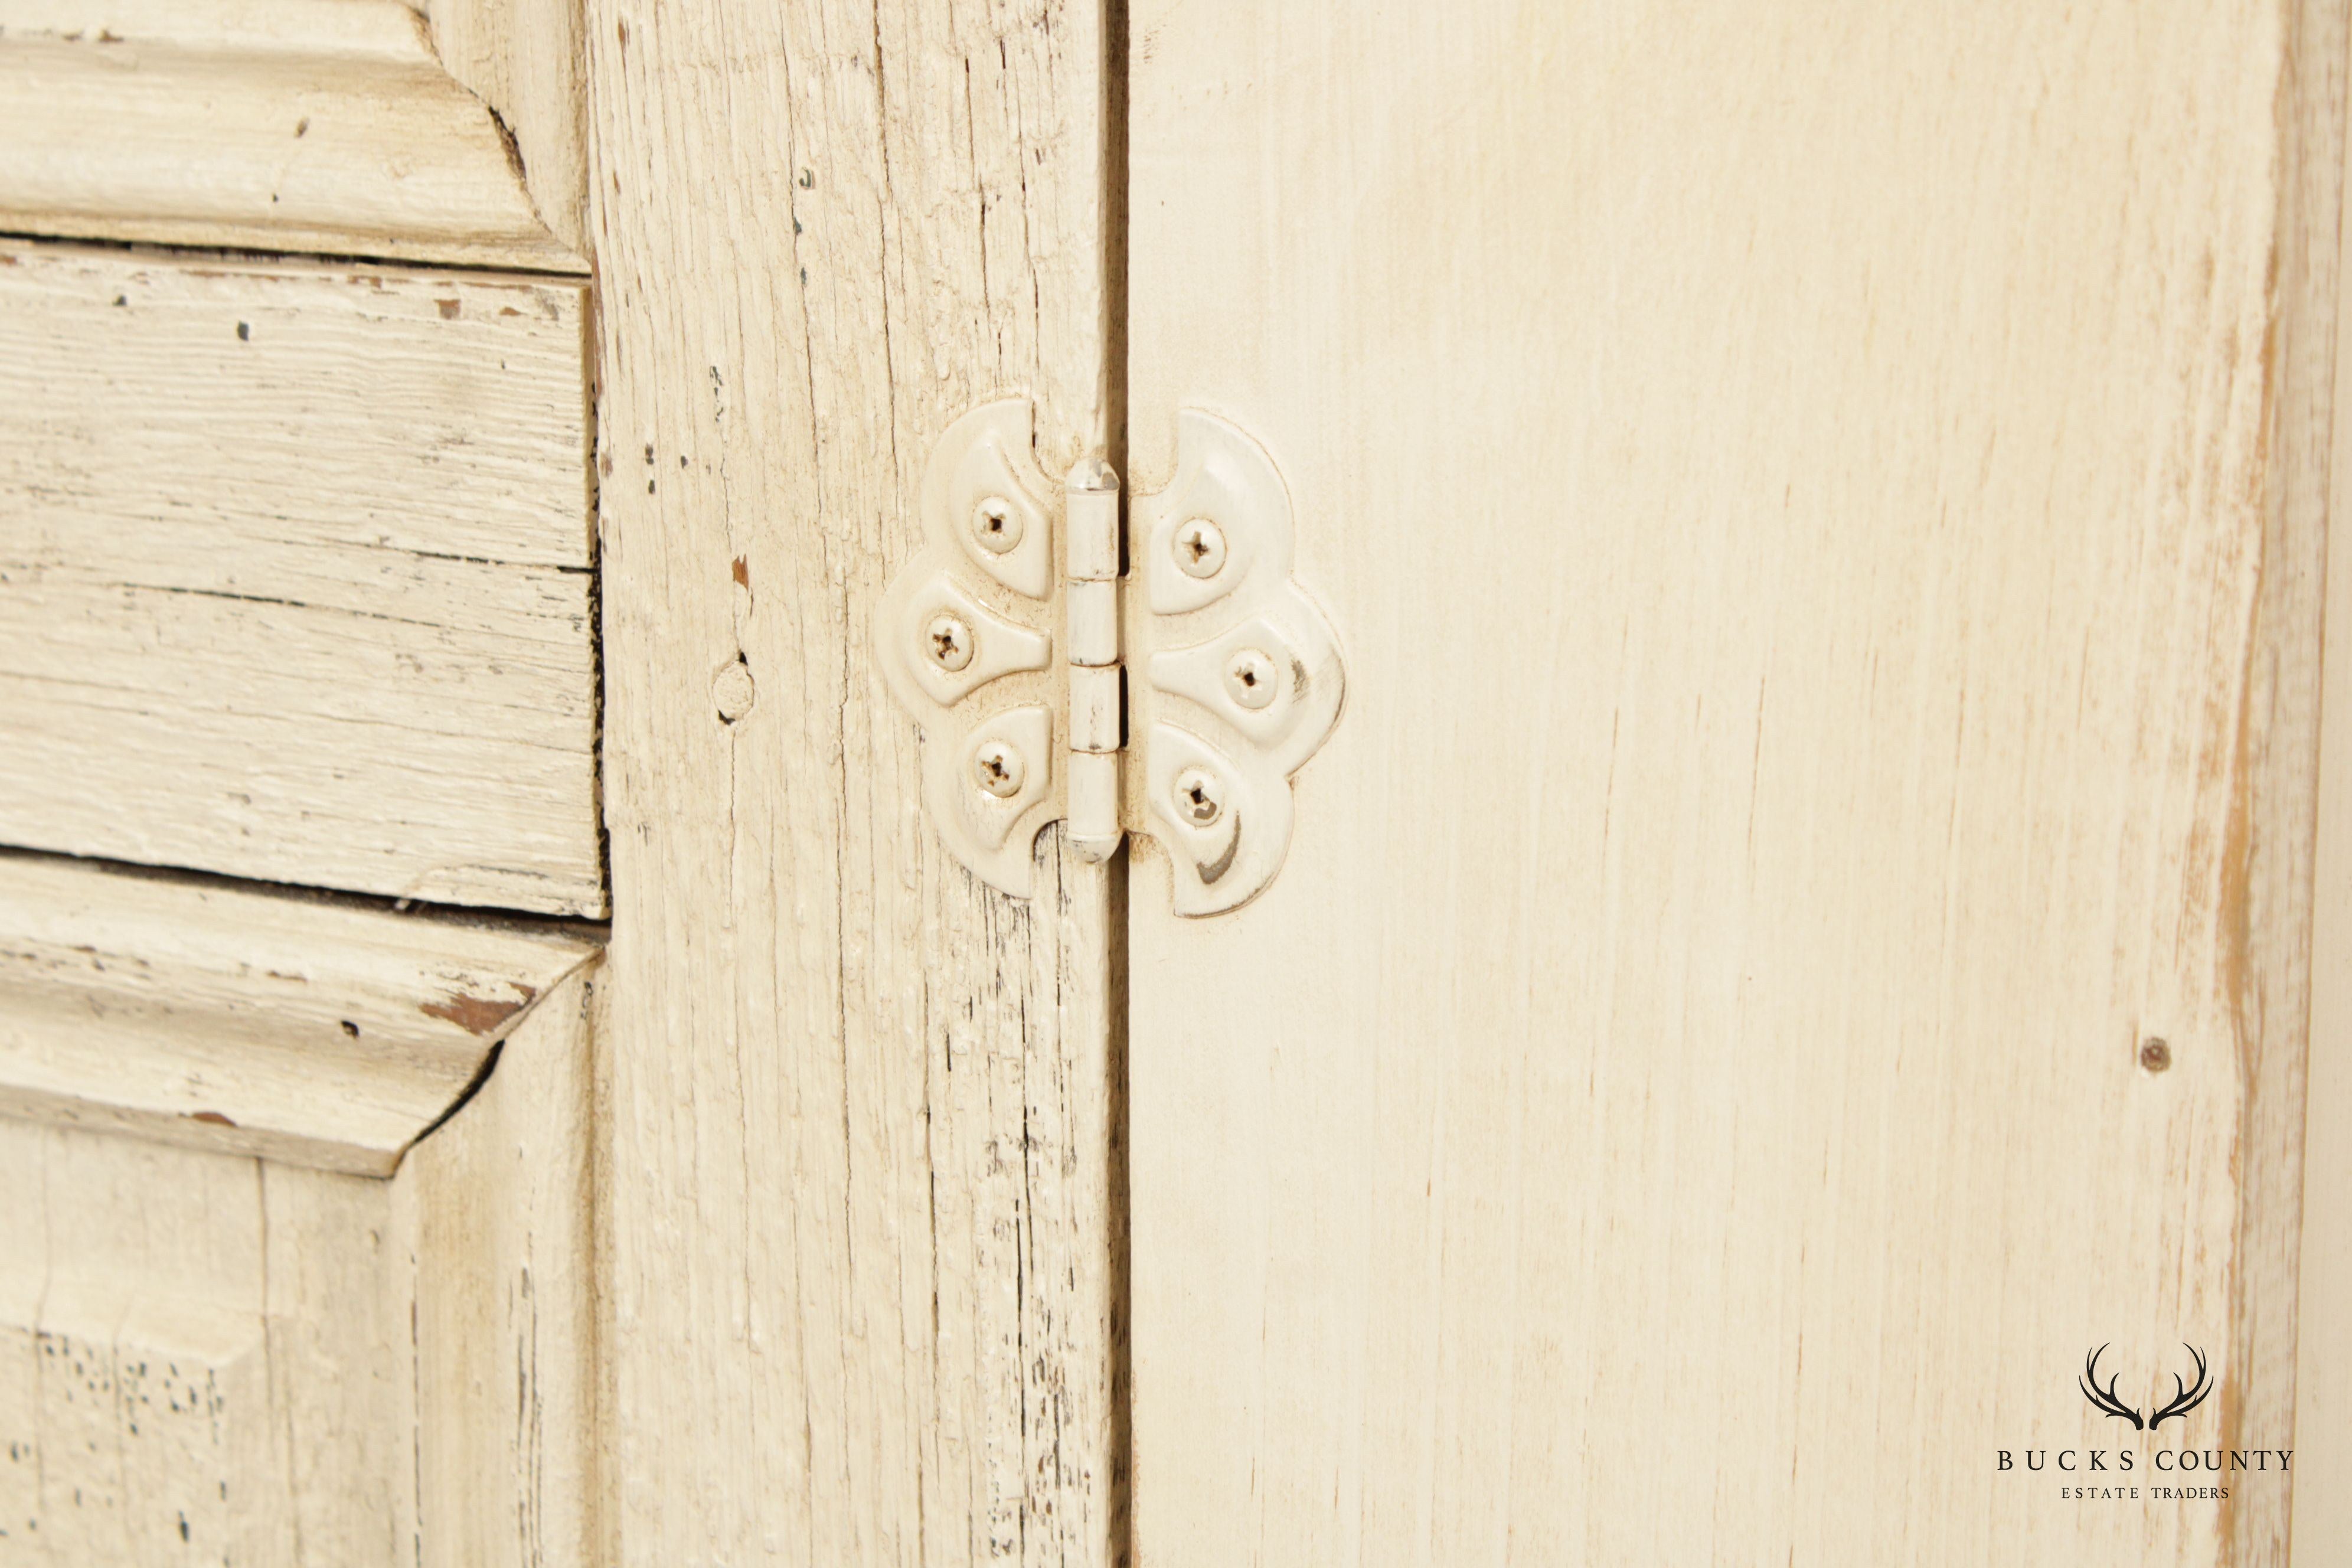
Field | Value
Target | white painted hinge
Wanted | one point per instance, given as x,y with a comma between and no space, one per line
1188,690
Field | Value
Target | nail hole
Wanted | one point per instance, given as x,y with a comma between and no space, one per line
732,691
2155,1054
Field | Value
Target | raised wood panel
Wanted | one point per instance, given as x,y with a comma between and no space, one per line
295,574
1819,500
860,1236
354,127
310,1032
337,1304
210,1358
135,1397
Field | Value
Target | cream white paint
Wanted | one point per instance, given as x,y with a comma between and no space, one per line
295,574
1816,501
858,1202
1818,507
313,1033
2323,1495
208,1357
351,127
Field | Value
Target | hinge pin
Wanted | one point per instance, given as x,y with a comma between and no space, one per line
1090,599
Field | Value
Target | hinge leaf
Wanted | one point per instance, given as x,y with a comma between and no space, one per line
965,639
1242,676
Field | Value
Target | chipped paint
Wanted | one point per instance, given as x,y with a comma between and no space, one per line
481,1016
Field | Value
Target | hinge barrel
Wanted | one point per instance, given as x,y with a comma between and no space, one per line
1095,709
1090,613
1092,609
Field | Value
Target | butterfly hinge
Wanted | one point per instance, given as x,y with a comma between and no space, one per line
1195,676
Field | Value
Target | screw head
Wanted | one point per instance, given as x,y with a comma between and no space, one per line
1199,797
998,770
946,642
1199,546
1250,678
997,524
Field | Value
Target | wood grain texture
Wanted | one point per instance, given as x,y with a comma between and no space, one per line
138,1423
296,576
200,1359
523,59
2322,1524
313,1033
856,1200
493,1212
210,1358
2274,895
339,1329
354,127
1818,503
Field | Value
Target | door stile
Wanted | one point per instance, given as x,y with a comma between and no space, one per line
857,1188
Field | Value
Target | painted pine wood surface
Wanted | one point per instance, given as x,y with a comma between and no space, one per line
313,1033
447,132
493,1216
296,574
859,1213
2323,1494
209,1358
1822,505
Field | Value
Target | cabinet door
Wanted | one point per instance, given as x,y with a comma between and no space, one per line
297,606
1798,939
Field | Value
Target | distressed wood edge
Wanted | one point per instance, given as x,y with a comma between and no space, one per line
2320,1506
492,1217
508,137
526,59
541,264
113,983
602,1531
2270,876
